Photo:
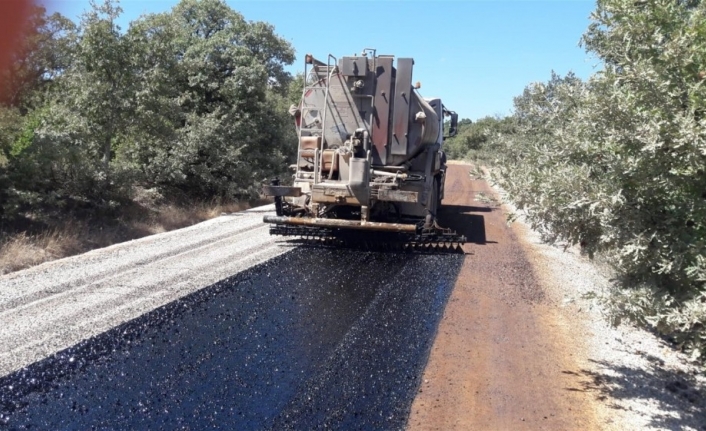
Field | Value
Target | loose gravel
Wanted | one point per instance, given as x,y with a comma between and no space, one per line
55,305
640,381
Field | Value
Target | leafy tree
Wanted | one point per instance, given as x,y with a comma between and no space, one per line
211,84
193,100
41,55
477,140
63,154
617,164
40,61
10,126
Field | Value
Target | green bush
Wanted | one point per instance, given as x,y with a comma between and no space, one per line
616,164
192,101
477,140
211,120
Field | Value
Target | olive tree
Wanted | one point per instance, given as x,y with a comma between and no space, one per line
616,164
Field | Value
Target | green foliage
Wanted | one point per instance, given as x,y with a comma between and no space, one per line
42,55
477,140
10,127
210,102
616,164
192,101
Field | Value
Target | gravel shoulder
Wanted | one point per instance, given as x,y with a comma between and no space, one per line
50,307
638,381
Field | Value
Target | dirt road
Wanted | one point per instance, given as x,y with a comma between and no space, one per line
502,357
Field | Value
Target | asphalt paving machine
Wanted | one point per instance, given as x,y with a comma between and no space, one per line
370,166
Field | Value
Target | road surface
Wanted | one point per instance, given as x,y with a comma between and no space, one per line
221,326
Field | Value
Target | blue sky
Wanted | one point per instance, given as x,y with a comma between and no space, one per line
475,55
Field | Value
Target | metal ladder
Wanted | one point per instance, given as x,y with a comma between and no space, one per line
317,72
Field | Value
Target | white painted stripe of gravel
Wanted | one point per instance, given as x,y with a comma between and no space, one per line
57,321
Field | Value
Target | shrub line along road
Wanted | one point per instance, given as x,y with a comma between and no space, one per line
220,324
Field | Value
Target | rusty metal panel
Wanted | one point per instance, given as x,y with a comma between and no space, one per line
338,194
381,118
400,116
398,196
337,191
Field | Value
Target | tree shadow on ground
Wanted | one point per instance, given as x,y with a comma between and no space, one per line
677,399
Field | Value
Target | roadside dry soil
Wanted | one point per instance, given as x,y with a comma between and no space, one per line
523,343
502,358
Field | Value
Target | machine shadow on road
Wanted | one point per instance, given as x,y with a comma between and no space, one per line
464,220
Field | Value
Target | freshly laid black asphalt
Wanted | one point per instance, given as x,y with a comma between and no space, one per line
313,339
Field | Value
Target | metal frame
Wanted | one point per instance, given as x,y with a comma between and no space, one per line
330,69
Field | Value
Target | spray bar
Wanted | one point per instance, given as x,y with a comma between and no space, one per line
338,223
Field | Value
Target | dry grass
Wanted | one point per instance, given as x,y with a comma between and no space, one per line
170,217
21,250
